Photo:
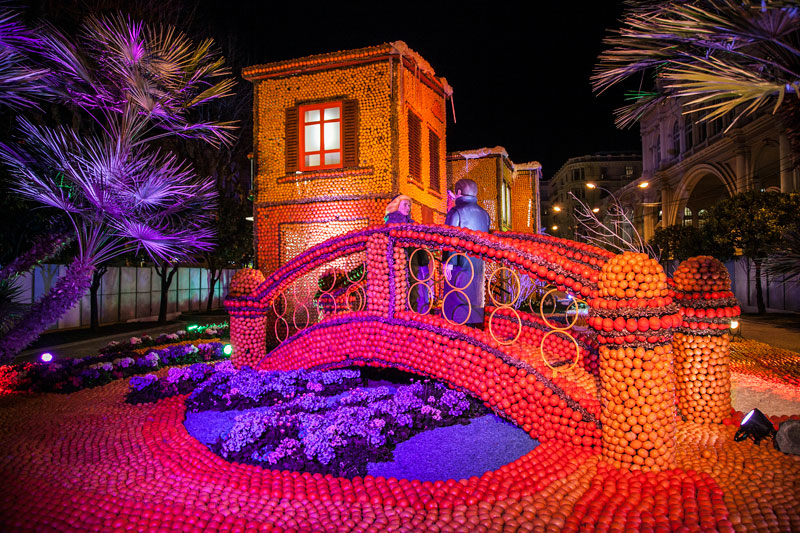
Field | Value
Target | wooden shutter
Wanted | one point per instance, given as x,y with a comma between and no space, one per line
433,153
292,140
350,133
414,148
427,215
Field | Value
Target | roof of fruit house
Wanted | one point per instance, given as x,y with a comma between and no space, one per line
344,58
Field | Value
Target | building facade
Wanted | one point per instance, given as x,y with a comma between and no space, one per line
509,192
336,136
590,179
693,166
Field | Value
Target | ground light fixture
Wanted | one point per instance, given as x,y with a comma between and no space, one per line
46,357
596,210
756,425
228,349
192,327
591,185
644,185
554,228
556,209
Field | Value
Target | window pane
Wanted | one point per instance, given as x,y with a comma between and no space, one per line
312,138
332,113
332,158
312,160
332,135
312,116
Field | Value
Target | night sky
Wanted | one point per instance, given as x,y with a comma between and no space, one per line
520,75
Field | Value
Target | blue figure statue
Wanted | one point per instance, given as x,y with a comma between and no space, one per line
466,213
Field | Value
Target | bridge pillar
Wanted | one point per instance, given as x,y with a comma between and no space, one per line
247,322
702,345
634,316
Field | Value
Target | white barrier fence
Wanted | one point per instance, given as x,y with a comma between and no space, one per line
129,293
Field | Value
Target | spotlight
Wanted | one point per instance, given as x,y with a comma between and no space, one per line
734,324
228,349
554,228
787,440
643,185
756,425
556,209
46,357
591,186
596,210
192,327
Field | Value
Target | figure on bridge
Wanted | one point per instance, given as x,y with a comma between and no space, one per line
398,211
466,213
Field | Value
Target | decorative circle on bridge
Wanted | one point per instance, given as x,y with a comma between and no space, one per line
505,305
560,329
280,316
458,290
557,369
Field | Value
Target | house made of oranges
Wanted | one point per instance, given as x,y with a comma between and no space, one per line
338,135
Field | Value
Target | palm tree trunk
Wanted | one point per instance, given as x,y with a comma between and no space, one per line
166,281
213,278
97,276
759,291
67,291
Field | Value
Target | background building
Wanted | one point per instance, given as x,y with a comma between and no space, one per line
694,166
608,171
509,192
336,136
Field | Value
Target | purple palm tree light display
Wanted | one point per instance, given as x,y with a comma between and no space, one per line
119,193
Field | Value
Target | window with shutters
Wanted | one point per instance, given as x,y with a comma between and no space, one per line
433,152
322,136
414,146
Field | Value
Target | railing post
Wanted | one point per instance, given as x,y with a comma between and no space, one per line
634,317
702,345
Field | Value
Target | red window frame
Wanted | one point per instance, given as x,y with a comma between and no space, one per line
321,152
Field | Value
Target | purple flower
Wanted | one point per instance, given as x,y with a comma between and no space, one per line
139,383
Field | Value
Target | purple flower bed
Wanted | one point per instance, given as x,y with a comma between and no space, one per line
70,375
210,331
319,422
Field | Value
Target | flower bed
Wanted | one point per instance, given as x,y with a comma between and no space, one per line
200,333
70,375
309,421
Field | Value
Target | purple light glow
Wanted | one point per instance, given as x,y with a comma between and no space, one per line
47,357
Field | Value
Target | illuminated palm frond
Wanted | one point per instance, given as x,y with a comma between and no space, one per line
137,80
118,198
22,83
717,56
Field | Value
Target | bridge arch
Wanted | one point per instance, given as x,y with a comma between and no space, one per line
550,402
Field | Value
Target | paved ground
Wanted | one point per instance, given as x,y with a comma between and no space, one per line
779,330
